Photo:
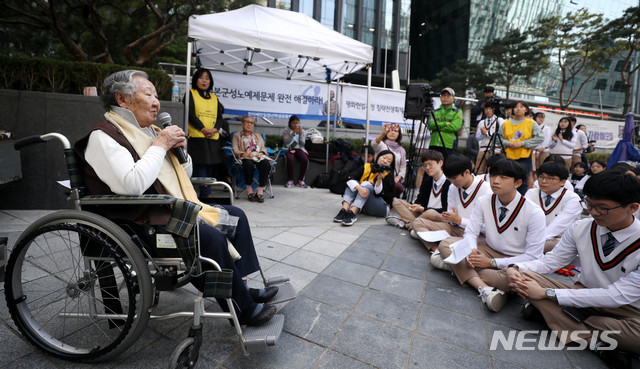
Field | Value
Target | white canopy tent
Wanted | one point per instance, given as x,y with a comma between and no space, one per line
257,40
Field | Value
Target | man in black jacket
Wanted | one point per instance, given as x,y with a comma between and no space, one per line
432,196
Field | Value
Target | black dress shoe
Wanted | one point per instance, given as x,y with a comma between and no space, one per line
263,294
261,314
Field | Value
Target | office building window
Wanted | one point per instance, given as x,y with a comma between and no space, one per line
306,7
328,13
350,11
403,29
617,87
619,65
386,41
368,26
601,84
283,4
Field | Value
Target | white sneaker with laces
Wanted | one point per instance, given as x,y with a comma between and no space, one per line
438,262
395,221
414,234
493,297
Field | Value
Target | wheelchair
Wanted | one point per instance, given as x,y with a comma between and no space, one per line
82,287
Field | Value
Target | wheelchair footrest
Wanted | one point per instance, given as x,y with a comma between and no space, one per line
257,339
285,292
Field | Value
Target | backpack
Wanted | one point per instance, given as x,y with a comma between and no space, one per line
321,181
338,180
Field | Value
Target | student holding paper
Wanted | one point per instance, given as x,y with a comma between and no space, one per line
561,206
432,196
513,229
461,199
607,294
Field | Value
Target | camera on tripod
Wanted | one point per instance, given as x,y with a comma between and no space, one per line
379,168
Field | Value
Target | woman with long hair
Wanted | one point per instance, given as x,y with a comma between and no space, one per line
391,139
563,141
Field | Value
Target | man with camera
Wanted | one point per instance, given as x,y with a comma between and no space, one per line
448,120
477,113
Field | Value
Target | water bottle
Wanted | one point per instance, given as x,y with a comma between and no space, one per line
175,92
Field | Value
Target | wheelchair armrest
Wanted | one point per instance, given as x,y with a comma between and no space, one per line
127,200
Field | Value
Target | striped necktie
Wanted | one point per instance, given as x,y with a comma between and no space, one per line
464,194
609,244
503,213
547,201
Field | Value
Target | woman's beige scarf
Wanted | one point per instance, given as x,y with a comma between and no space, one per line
172,175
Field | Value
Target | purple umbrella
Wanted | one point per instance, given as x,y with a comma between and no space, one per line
624,150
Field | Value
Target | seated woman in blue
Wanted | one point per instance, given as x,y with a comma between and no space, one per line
369,189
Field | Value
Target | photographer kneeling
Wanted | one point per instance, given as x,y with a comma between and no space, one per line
370,189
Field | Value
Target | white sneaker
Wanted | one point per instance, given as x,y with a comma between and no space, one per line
438,262
414,234
395,221
493,297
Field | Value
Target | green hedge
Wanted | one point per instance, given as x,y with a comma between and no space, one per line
50,75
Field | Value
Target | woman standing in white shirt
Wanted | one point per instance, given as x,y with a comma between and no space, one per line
563,141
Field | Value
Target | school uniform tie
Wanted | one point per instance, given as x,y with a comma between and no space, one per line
464,195
503,213
609,244
547,201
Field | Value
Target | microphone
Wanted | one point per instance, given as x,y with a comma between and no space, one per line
165,120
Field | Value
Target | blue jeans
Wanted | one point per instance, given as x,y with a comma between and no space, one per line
372,205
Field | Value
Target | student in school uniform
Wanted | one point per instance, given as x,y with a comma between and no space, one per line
491,161
432,195
463,195
484,133
607,295
513,229
561,207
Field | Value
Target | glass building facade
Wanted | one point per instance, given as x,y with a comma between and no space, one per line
445,32
383,24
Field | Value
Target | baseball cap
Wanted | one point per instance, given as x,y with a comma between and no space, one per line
449,90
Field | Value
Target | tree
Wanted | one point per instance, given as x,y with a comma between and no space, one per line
130,32
577,48
514,58
624,34
463,75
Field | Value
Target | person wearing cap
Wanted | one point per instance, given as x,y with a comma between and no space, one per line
477,113
448,122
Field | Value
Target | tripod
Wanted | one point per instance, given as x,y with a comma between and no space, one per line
414,154
491,147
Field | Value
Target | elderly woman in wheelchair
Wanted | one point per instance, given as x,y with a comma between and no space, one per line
99,269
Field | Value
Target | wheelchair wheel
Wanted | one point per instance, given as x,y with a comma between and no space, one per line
181,355
77,287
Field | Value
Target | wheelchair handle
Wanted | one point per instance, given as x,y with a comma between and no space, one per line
33,140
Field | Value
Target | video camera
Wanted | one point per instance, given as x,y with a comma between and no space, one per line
418,101
379,168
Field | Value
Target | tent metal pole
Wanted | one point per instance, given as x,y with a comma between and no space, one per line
187,87
326,162
366,134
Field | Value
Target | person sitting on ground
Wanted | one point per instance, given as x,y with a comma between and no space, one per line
249,147
606,297
597,166
432,195
578,175
390,139
294,140
360,160
490,162
622,167
369,189
126,154
513,229
484,132
561,207
554,158
463,195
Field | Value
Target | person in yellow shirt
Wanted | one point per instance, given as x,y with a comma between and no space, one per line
207,131
520,135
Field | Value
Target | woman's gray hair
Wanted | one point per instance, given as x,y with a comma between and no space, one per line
122,82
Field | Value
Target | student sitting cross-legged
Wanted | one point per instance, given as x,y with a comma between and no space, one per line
432,195
513,229
606,299
461,199
561,206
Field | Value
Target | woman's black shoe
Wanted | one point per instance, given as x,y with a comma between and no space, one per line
263,294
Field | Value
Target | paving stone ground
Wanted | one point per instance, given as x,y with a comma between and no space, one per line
367,298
